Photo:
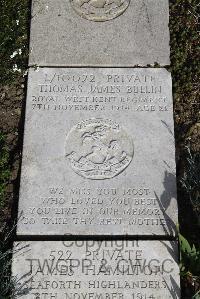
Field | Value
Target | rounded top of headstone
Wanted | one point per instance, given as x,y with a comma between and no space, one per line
99,10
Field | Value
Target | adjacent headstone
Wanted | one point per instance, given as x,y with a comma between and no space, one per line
91,270
98,156
99,33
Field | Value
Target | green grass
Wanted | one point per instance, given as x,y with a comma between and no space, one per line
185,47
14,29
191,180
185,68
4,168
7,282
190,264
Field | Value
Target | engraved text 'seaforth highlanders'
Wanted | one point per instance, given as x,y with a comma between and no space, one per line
99,10
98,149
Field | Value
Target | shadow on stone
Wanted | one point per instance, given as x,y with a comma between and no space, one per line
173,289
164,201
21,284
168,128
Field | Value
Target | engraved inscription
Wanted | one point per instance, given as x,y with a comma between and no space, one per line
99,10
75,91
98,149
115,269
131,206
98,166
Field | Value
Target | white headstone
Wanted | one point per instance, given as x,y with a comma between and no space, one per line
99,33
98,156
96,270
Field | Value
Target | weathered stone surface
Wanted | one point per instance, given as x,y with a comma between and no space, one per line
91,270
98,155
99,10
134,33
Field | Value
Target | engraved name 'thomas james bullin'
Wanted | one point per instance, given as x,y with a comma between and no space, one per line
98,149
99,10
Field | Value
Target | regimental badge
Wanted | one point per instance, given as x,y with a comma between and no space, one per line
98,149
99,10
